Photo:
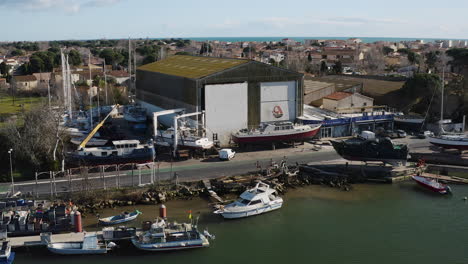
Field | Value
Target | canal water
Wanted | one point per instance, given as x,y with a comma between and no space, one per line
398,223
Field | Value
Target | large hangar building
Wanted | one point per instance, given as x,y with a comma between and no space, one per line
234,93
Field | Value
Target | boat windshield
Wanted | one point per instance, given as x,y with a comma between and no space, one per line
243,201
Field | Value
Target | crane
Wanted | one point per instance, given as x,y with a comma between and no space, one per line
95,129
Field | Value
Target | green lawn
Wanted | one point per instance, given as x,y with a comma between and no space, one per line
21,103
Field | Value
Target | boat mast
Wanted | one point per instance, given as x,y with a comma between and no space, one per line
105,81
442,101
90,91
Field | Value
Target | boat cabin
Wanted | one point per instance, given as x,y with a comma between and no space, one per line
119,148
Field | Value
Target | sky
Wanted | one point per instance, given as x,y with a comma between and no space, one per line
97,19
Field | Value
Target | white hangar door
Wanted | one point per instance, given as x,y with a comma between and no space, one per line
226,110
277,101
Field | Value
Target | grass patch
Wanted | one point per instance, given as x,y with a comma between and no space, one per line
20,104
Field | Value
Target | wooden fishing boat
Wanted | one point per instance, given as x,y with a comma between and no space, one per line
121,218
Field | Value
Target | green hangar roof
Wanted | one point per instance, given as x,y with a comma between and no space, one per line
192,67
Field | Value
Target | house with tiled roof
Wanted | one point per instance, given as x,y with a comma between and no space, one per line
344,102
119,76
24,82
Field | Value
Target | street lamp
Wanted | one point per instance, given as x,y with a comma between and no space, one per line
11,173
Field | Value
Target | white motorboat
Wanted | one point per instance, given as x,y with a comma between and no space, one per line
92,142
89,245
258,200
166,237
165,138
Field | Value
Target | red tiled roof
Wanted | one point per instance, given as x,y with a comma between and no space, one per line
118,73
338,96
25,78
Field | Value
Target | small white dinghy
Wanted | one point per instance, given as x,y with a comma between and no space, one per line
90,245
258,200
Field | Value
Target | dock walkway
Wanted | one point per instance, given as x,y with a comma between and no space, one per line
451,179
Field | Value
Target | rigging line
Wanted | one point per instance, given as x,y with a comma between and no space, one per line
428,107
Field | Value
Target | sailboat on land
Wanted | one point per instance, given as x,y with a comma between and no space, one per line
449,140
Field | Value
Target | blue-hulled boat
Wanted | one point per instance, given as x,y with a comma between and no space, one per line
6,256
121,218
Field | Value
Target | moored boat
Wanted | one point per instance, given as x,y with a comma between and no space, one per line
367,147
121,218
275,132
122,151
258,200
135,114
6,256
168,237
450,141
432,184
89,245
186,140
92,142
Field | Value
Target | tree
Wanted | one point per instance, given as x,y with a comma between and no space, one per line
413,57
403,51
205,48
111,57
36,64
338,67
74,57
387,50
17,52
432,58
149,59
309,58
323,67
4,68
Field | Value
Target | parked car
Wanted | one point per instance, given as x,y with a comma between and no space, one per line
401,133
226,154
389,133
424,134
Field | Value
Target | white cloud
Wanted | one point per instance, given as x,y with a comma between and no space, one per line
70,6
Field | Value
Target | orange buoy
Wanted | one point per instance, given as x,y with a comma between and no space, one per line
78,224
162,211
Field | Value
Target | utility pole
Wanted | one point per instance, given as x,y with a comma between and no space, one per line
105,82
11,173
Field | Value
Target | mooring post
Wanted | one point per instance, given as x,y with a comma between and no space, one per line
51,187
139,176
133,167
69,181
118,177
55,183
37,194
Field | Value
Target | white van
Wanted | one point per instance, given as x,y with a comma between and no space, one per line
226,154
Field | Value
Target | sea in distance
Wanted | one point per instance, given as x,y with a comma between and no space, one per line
373,223
301,39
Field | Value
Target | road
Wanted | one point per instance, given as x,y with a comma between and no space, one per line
188,171
192,172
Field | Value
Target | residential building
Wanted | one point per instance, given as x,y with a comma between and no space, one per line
345,102
24,82
119,76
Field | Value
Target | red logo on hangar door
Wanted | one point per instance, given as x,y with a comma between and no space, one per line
277,111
